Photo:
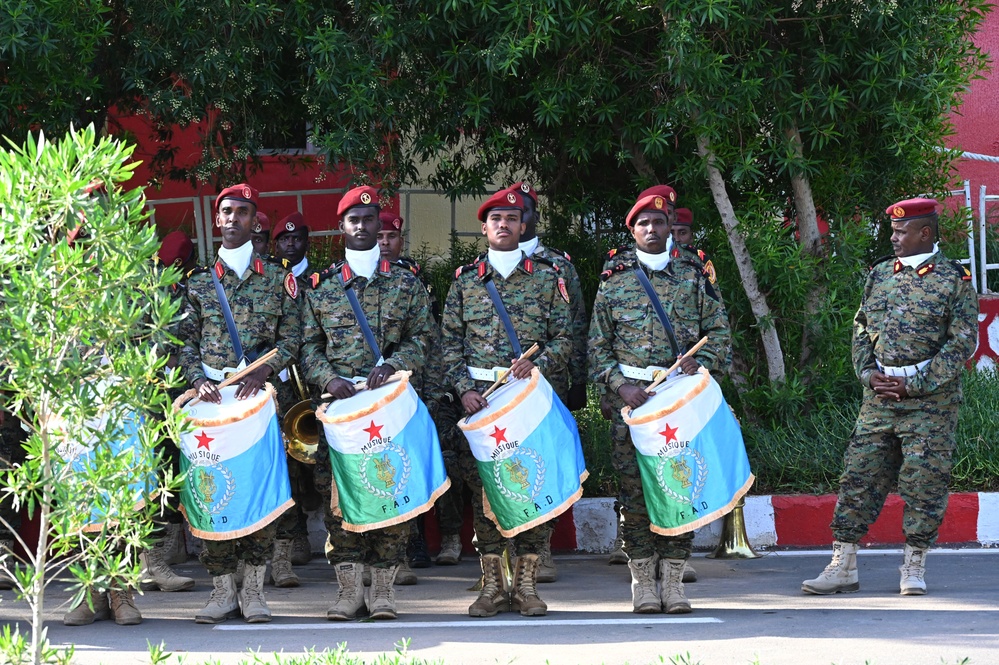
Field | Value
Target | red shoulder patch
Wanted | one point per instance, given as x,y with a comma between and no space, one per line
346,273
219,269
291,285
315,279
384,267
898,266
610,254
564,292
675,253
529,266
482,269
258,266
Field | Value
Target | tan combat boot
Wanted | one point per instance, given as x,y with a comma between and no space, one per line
524,596
493,597
671,593
123,607
913,569
840,576
404,575
450,553
83,615
349,603
251,595
382,596
689,574
281,573
618,556
644,595
222,604
176,545
301,550
546,565
157,574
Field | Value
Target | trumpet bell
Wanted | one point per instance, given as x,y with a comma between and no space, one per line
301,432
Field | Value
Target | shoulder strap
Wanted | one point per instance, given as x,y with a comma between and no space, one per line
362,320
658,307
504,317
230,323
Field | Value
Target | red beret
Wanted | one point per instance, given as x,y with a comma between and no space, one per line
359,196
525,189
175,249
653,202
292,222
911,208
505,199
240,192
683,217
391,221
263,224
664,191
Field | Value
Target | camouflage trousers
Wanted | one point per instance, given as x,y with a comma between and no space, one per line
639,541
380,548
450,507
221,557
908,445
294,522
488,539
12,438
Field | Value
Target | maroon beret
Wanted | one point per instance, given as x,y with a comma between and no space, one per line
292,222
359,196
911,208
240,192
525,189
175,249
390,221
665,191
651,202
263,223
505,199
683,217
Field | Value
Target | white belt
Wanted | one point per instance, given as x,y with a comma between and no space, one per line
908,370
483,374
221,374
640,373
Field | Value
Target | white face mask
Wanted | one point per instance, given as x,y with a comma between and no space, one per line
505,262
363,261
239,258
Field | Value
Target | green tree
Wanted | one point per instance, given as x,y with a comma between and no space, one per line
83,307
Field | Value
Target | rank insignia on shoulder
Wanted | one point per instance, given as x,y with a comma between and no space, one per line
614,252
529,266
284,263
607,274
564,292
898,266
925,270
314,279
258,266
384,267
346,274
460,270
219,270
291,285
482,269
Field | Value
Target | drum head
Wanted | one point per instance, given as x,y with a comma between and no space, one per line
343,410
230,406
669,395
502,398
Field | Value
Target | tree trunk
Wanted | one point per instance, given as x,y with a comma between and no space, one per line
757,301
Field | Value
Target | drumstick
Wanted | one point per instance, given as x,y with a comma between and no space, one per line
526,354
662,377
241,373
392,378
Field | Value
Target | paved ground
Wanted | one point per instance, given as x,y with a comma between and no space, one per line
745,612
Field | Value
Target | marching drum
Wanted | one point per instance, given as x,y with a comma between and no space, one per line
528,452
386,457
234,460
690,454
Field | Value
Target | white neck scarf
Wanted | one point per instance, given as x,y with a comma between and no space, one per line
656,261
300,267
914,260
238,259
505,262
363,262
530,246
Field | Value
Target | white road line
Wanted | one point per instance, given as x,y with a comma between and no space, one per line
507,623
865,552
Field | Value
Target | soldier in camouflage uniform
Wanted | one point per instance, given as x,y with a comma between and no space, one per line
916,328
573,386
474,342
334,351
262,297
627,344
291,542
683,239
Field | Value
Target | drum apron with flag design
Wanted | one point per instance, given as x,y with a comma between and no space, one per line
527,449
690,453
386,457
236,471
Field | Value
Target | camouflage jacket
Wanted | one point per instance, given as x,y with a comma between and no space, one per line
909,315
577,311
692,262
396,307
264,308
472,334
625,329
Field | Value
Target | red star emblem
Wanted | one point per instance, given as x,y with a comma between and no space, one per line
374,431
203,440
498,434
670,433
